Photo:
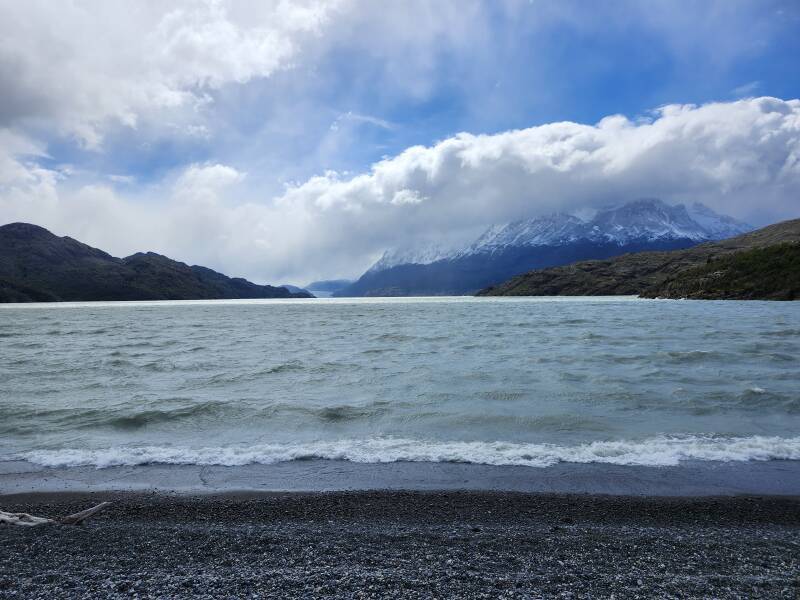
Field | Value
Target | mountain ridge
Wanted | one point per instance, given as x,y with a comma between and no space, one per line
643,219
696,272
504,251
37,265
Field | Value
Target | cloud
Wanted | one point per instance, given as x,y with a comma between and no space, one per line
122,179
745,90
354,118
741,158
199,183
84,65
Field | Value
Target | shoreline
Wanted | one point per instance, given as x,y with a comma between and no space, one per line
250,507
689,479
396,544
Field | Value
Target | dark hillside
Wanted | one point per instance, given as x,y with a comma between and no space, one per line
771,273
37,266
670,274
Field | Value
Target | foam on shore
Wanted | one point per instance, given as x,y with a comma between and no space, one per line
656,451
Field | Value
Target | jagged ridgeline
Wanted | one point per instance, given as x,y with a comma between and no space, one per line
37,266
504,251
763,264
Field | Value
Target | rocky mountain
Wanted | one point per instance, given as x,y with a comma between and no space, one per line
763,264
504,251
37,266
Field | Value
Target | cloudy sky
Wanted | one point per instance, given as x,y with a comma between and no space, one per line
289,141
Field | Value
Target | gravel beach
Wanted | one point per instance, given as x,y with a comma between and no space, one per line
404,544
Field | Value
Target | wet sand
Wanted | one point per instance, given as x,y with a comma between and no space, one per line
414,544
697,478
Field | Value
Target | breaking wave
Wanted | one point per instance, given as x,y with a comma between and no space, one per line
657,451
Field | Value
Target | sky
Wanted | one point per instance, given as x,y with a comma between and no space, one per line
291,141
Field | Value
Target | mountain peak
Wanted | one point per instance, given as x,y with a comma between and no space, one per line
25,230
548,229
417,255
645,203
643,220
718,226
649,219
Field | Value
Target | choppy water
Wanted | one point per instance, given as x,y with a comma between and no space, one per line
496,381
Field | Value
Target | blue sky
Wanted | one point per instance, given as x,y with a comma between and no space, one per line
530,67
126,113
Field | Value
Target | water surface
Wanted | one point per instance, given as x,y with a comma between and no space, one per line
527,381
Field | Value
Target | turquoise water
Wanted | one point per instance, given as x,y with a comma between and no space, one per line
496,381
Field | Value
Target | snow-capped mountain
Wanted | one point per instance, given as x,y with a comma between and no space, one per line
420,255
514,248
558,228
656,220
718,227
642,220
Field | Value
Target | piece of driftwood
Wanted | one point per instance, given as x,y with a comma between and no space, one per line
7,518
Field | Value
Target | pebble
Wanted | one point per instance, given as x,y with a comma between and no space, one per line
406,545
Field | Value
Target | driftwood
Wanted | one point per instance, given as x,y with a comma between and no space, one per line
7,518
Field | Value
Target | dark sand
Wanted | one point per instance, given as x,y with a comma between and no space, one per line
690,478
376,544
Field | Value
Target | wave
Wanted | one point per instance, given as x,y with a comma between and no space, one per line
657,451
694,356
28,419
782,333
143,418
346,412
182,412
394,337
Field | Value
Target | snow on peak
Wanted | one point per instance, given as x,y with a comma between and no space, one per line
648,219
554,229
419,255
718,226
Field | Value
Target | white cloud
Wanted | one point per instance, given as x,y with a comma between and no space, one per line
122,179
746,90
726,154
204,182
84,65
357,119
741,158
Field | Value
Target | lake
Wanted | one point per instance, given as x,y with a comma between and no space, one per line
495,381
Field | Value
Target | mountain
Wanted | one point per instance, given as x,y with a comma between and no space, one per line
771,273
504,251
37,266
424,255
763,264
326,288
328,285
293,288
